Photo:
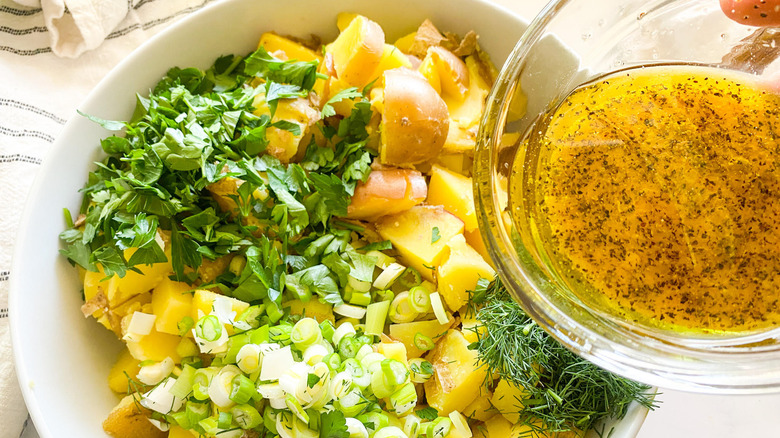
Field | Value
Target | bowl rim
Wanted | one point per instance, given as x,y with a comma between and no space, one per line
704,365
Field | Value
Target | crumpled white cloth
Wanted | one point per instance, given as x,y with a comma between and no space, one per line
85,25
41,85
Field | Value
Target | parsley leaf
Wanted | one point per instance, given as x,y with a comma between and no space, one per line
428,413
435,235
333,424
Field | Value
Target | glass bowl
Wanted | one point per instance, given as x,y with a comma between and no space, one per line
575,42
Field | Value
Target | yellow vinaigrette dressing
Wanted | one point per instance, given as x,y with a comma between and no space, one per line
656,195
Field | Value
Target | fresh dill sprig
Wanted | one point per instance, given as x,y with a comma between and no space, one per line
563,390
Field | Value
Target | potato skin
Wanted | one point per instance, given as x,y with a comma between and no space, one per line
415,119
752,12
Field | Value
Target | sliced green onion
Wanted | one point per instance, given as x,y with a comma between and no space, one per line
224,420
260,334
386,379
181,419
420,369
280,334
341,384
349,346
372,361
423,342
327,329
389,275
419,299
412,425
390,432
185,325
273,310
209,425
376,420
410,278
350,311
401,310
269,419
439,428
360,298
208,328
460,423
196,412
246,416
305,332
376,314
295,407
358,285
438,308
183,386
201,382
242,389
404,399
252,315
353,403
360,377
248,358
234,345
193,361
382,260
384,295
341,331
333,361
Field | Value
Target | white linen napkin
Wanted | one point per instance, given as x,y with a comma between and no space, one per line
76,26
39,92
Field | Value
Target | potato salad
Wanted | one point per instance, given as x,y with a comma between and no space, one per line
287,245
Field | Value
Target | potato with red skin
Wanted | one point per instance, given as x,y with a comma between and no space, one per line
752,12
415,119
387,191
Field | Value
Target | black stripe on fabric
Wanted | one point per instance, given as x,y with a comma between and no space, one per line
26,133
32,109
155,22
141,3
20,12
4,275
3,313
19,158
22,52
36,29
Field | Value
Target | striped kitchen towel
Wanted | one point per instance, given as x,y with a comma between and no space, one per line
52,53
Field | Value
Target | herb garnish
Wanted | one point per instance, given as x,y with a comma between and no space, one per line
564,390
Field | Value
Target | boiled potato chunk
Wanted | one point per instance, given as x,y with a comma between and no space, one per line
129,420
459,272
405,333
357,51
387,191
508,400
465,113
453,192
120,289
453,73
480,409
126,366
291,49
311,309
180,432
203,304
391,58
457,380
412,235
171,301
415,121
474,239
284,144
155,346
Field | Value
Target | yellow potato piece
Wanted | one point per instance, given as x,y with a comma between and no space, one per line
405,42
284,144
393,350
129,420
126,366
453,73
480,409
155,346
180,432
454,192
391,58
171,301
465,113
203,304
459,272
474,239
411,233
311,309
457,380
508,400
357,51
292,50
120,289
405,333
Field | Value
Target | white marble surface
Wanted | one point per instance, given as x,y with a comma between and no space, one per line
682,415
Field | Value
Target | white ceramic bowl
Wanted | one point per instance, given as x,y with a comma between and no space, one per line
62,359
